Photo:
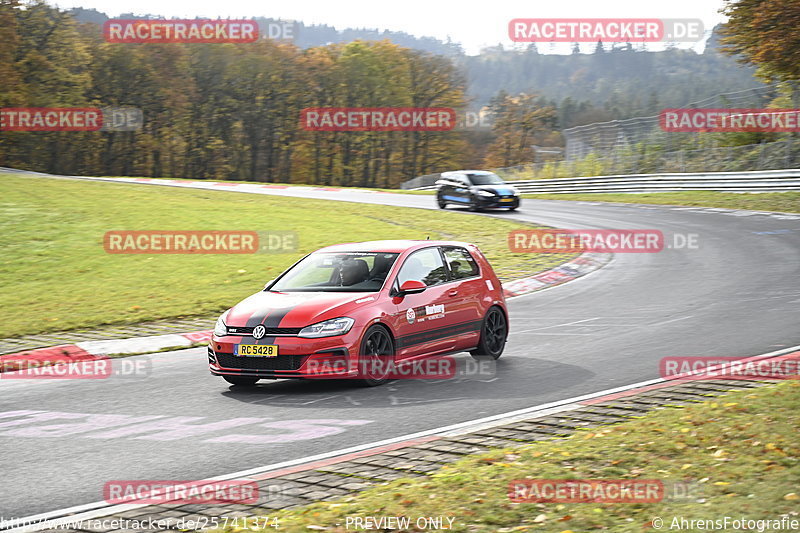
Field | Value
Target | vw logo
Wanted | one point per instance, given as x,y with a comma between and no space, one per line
259,331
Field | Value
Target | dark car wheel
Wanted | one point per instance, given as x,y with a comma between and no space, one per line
442,204
493,335
242,381
377,354
473,204
513,208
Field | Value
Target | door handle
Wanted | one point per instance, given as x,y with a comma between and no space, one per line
453,293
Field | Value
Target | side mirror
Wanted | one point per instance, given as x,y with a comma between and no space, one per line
411,286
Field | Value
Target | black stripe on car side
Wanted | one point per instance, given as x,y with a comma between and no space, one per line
439,333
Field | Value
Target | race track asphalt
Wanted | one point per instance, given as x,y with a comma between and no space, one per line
737,294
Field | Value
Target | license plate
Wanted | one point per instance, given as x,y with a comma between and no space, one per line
506,199
256,350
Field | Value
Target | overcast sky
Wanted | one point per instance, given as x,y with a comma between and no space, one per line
474,23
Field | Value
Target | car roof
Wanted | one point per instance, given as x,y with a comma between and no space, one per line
467,172
389,246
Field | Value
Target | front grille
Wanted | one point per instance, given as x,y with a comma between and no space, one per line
271,332
281,362
501,199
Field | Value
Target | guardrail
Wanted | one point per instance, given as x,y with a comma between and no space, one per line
751,181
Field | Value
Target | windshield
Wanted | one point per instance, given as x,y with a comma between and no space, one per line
485,179
338,272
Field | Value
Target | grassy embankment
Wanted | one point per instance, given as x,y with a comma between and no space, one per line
57,276
738,456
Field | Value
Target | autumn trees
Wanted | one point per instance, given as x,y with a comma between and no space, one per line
220,111
765,33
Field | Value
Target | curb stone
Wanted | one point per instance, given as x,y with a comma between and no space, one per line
91,350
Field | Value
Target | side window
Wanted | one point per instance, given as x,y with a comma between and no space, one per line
461,264
457,180
425,266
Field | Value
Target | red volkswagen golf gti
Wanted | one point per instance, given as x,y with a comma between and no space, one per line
339,307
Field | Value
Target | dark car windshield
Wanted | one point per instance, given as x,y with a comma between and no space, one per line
338,272
485,179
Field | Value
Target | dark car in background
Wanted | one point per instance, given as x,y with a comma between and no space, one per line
476,189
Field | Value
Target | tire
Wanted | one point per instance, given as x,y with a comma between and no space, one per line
494,333
242,381
473,205
441,203
376,346
513,208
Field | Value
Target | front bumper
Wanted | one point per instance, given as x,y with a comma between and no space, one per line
330,357
498,201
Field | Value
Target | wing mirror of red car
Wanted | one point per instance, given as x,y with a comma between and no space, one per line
411,286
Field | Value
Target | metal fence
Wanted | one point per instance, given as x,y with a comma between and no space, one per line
639,146
752,181
648,160
616,135
652,160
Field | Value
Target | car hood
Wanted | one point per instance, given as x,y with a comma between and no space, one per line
502,190
294,309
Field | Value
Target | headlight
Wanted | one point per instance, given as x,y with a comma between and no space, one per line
329,328
220,329
484,193
514,191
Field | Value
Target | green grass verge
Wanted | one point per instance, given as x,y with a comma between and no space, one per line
738,454
785,202
56,275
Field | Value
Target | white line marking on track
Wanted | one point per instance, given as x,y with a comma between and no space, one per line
558,334
560,325
671,321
